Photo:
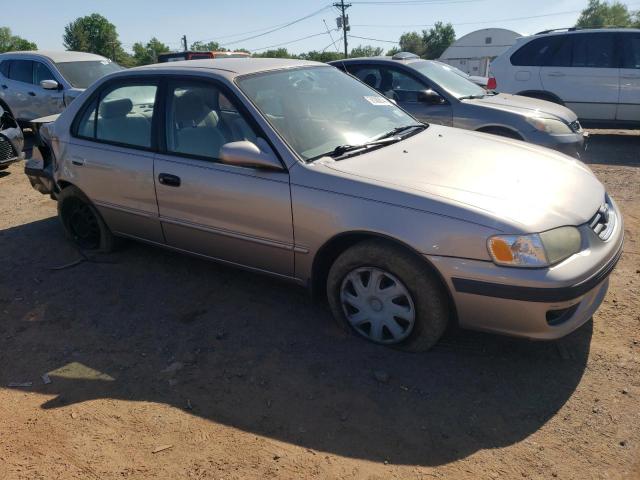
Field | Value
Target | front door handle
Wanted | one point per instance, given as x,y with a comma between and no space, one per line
4,87
77,161
169,180
33,94
556,74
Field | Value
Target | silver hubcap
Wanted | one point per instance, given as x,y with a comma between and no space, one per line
377,305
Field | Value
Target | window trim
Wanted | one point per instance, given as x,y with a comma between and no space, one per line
109,86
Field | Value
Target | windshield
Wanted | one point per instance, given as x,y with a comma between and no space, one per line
83,74
317,109
445,77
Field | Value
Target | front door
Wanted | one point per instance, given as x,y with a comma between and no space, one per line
111,157
230,213
45,102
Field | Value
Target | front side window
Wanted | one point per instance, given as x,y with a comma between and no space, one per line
201,118
41,72
123,115
631,50
21,71
4,68
316,109
83,74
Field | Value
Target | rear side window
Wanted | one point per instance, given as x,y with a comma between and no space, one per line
534,53
122,116
4,68
631,50
21,71
593,50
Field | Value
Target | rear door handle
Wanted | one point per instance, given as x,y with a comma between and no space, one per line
169,180
556,74
78,161
32,94
4,87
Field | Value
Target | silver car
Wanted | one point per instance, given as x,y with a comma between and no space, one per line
293,169
40,83
434,93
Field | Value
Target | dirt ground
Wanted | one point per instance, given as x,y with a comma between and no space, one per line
164,366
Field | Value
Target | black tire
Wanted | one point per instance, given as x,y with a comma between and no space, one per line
82,223
429,298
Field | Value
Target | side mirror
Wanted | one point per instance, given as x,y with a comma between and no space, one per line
430,97
49,84
247,154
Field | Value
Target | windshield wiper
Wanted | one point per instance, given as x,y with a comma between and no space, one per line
471,97
386,138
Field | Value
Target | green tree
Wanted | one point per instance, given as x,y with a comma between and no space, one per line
602,14
279,53
366,51
393,51
207,47
317,56
10,42
95,34
437,39
146,54
412,42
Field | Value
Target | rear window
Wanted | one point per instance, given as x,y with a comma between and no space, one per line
593,50
4,68
83,74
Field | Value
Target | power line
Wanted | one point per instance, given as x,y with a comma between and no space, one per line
291,41
293,22
415,2
374,39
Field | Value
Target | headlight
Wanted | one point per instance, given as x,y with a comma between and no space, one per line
549,125
535,250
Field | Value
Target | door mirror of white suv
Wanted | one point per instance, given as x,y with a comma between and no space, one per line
49,84
247,154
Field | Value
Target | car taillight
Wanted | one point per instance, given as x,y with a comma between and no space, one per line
492,84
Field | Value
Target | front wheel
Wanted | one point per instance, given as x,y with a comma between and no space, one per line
386,295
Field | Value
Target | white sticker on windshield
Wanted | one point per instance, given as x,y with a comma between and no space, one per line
377,100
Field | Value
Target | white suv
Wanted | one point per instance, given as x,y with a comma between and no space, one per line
594,72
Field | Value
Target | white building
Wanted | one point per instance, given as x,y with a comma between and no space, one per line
473,52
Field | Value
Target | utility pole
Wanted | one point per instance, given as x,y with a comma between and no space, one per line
184,42
343,22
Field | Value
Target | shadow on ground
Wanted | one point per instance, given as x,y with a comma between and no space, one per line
259,356
613,147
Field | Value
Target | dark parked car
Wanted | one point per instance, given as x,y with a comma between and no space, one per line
11,140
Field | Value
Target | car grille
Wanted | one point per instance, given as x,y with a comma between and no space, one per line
6,150
603,222
575,126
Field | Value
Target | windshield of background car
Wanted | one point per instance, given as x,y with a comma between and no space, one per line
317,109
444,76
83,74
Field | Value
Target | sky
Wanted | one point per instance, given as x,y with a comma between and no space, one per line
232,23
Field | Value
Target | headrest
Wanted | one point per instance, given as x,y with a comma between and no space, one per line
116,108
371,80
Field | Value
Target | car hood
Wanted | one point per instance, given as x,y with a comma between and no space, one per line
483,178
525,106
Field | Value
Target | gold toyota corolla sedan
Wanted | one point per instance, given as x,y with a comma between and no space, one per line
297,170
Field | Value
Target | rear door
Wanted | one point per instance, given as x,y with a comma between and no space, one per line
629,105
230,213
111,153
583,73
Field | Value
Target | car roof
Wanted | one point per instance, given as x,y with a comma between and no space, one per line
229,66
578,31
381,59
55,56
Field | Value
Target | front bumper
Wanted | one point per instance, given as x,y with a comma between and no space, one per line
542,304
573,145
10,147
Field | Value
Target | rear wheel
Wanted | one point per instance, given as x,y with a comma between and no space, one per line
82,223
386,295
